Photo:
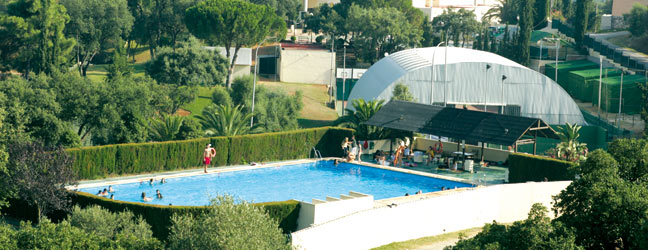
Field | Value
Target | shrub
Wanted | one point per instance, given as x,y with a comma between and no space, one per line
227,224
319,39
220,96
524,167
134,158
102,222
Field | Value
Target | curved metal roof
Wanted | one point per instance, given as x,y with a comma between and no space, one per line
470,77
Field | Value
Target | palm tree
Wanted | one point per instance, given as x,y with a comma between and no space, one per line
505,11
225,120
165,128
570,148
363,111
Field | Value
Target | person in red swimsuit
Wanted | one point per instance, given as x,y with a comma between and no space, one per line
207,155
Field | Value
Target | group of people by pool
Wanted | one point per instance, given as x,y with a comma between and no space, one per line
352,149
111,192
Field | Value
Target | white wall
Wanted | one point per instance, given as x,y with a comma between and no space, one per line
320,211
504,203
306,66
241,70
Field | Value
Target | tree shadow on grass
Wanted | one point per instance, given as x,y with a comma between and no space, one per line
308,123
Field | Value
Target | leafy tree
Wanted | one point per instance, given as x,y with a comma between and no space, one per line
220,120
4,158
288,9
526,27
121,227
362,112
229,224
39,44
220,96
541,13
31,108
165,128
381,30
233,24
189,64
606,211
401,92
644,107
273,110
631,155
456,25
119,66
581,21
123,106
536,232
637,19
97,26
190,129
38,175
326,20
8,237
181,95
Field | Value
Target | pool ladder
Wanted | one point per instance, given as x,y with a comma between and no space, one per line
317,153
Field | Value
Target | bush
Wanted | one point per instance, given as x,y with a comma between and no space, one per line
220,96
524,167
319,39
102,222
227,224
122,159
285,213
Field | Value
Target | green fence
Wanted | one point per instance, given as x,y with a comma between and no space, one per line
594,136
564,68
579,85
348,86
123,159
611,90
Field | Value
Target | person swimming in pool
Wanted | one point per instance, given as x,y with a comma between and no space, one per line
144,198
158,194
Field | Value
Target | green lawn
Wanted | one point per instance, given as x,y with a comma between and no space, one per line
203,100
429,241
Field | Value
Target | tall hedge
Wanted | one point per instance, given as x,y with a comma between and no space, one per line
525,167
159,216
135,158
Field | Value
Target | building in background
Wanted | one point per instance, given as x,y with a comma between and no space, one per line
297,63
471,79
243,64
433,8
620,7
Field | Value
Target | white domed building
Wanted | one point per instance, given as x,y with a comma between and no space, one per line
472,79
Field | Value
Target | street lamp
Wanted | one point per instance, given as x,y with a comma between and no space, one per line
343,76
503,101
256,69
540,57
432,89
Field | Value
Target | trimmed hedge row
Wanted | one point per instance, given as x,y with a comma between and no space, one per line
524,167
135,158
159,216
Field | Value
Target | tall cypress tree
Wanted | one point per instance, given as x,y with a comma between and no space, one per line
580,21
541,12
526,26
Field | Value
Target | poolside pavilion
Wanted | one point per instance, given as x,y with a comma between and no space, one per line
462,124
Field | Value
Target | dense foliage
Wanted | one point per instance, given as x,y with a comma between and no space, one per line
188,64
525,167
227,224
103,161
284,213
536,232
212,21
401,92
97,26
38,175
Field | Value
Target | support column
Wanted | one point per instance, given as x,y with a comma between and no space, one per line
482,152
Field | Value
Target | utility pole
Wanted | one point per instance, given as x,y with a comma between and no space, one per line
600,83
344,99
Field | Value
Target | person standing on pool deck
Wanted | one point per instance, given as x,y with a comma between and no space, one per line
208,154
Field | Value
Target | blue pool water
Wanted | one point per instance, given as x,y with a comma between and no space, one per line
301,182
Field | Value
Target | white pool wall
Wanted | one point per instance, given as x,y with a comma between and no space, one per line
455,211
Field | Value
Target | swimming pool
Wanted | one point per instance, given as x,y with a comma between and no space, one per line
298,181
